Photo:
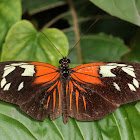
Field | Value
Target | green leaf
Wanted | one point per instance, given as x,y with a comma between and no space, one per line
101,47
10,13
138,107
128,10
108,24
134,54
9,129
134,119
25,43
96,48
34,6
123,124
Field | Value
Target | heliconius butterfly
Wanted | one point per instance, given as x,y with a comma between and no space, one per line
87,92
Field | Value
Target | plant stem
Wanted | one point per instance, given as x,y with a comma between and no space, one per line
76,29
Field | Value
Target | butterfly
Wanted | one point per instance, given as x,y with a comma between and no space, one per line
87,92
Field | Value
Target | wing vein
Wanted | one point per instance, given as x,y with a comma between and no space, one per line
48,73
99,94
87,74
46,66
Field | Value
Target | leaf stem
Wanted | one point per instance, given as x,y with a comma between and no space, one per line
54,20
76,30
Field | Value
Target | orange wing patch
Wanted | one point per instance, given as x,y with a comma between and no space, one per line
45,73
46,78
70,92
54,99
71,85
87,73
48,100
52,87
60,92
83,90
87,66
84,102
77,99
67,89
43,64
85,78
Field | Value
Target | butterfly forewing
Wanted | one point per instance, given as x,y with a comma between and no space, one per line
33,86
102,87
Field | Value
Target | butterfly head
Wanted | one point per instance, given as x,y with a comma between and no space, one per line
64,62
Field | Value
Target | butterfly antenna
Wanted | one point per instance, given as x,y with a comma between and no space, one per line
48,39
83,35
51,43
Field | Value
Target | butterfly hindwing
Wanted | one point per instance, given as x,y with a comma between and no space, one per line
100,88
31,85
86,104
48,101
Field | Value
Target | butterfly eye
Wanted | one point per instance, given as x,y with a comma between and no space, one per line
68,60
60,61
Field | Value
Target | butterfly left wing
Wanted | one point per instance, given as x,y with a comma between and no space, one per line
48,101
97,89
33,86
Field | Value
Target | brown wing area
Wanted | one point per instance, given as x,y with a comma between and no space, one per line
85,104
47,102
96,89
34,86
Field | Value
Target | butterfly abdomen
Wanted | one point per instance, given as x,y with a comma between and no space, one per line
65,100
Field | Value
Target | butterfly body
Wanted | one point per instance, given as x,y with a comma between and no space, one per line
64,67
87,92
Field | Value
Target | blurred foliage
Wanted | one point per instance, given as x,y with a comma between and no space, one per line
34,44
10,13
112,38
126,10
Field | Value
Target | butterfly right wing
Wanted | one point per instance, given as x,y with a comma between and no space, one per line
33,86
97,89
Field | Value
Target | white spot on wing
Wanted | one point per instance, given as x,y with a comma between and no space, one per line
129,68
116,86
7,86
18,64
111,64
7,71
121,65
136,83
3,82
106,71
7,67
130,72
116,64
132,88
20,86
29,70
